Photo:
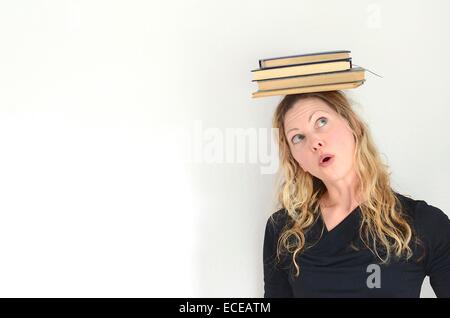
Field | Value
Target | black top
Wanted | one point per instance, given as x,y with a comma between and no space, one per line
333,268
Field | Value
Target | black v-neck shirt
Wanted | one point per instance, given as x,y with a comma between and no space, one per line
332,267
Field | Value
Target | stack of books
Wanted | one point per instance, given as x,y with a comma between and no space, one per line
314,72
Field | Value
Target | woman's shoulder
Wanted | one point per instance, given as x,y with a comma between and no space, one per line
425,217
277,221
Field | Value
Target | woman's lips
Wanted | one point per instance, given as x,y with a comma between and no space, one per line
328,162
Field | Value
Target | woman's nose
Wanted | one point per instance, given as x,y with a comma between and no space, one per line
317,144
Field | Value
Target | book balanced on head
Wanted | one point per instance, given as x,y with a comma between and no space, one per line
314,72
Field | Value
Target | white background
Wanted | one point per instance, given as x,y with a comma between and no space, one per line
97,198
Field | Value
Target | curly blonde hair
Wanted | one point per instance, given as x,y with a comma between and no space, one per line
385,229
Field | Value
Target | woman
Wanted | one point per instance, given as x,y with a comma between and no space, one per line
343,231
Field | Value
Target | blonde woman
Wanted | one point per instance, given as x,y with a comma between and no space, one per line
342,230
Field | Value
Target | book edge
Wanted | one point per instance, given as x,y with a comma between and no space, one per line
307,54
254,94
310,63
352,70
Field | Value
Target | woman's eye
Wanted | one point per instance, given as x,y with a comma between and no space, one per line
296,138
322,119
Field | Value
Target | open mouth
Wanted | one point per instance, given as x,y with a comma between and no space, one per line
327,160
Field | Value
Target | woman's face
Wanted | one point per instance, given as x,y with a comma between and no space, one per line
313,128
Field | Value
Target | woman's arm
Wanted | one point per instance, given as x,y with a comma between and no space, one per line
276,282
435,225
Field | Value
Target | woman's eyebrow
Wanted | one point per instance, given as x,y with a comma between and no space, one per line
309,120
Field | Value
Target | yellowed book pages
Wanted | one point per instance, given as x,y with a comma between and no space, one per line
352,75
304,59
307,89
301,70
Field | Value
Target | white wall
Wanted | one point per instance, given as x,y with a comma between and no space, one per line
104,104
